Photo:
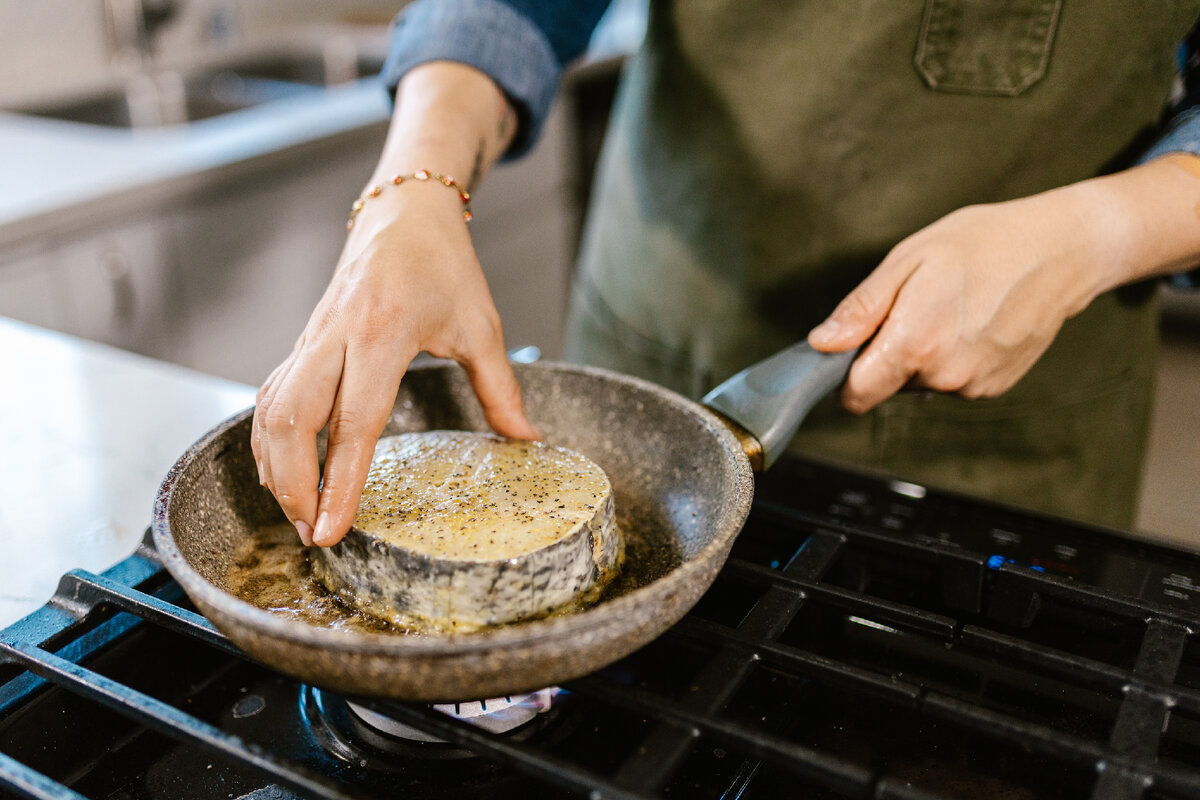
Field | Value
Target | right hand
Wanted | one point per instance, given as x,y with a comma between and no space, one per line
408,280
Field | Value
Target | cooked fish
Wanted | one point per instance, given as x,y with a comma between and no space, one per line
456,531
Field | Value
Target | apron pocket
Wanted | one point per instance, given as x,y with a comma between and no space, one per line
994,47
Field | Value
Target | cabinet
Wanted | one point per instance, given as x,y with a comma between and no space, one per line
255,254
31,291
108,286
118,290
223,276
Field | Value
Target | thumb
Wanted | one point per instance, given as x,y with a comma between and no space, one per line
861,312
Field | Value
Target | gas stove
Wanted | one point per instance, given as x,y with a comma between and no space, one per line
868,638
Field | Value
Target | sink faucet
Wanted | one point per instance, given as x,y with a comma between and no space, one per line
150,99
130,27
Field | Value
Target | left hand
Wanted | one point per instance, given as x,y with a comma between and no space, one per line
969,303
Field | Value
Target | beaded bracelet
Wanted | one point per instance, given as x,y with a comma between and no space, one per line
419,175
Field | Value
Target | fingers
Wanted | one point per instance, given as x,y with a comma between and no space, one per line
862,311
921,342
491,376
500,396
360,411
261,400
916,341
884,367
265,395
965,305
290,413
387,302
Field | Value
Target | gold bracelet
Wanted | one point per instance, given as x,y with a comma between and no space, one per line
419,175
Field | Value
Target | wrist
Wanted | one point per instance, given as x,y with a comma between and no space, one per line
1146,221
419,177
449,118
1107,236
408,216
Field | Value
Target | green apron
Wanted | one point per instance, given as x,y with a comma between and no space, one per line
764,156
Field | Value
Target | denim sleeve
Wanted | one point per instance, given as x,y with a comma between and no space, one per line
1183,131
1182,136
567,24
521,44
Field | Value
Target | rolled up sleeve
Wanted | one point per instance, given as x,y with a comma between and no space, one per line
1182,134
491,36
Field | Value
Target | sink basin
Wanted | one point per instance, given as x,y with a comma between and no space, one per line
331,67
169,99
172,98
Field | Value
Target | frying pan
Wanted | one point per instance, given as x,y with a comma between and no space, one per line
682,480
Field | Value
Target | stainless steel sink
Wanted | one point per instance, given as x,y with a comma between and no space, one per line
332,66
168,99
150,100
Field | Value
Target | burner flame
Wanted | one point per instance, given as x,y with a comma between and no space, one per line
495,715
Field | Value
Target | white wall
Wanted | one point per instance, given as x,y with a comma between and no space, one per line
54,47
48,44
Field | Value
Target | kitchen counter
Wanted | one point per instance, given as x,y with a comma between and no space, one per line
87,432
56,171
208,244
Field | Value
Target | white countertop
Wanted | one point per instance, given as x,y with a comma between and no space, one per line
55,172
87,434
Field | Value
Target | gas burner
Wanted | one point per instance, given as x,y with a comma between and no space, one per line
369,738
497,715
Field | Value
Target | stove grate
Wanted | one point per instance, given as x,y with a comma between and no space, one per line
832,659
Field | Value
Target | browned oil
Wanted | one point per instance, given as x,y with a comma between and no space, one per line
270,570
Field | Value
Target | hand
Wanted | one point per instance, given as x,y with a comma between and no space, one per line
969,303
408,280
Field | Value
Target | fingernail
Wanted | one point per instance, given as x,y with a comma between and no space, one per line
826,330
305,531
262,478
323,535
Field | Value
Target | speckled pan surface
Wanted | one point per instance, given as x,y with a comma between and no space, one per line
682,486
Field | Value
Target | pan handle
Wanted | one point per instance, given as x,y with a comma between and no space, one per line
767,401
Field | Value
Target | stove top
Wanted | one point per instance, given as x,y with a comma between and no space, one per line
866,639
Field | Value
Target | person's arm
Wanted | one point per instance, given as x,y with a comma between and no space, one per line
1182,134
522,44
969,303
408,280
472,80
